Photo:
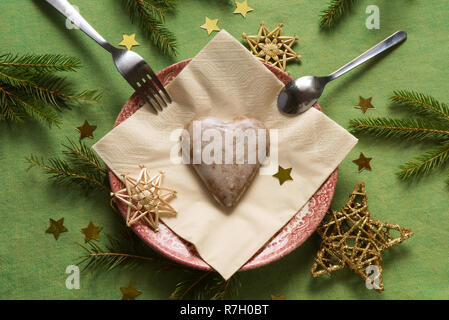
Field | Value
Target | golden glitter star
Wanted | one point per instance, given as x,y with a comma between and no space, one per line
273,297
130,292
56,227
86,130
146,199
129,41
91,232
363,162
283,175
272,47
351,238
210,25
242,8
365,104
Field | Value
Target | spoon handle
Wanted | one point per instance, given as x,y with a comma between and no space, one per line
389,42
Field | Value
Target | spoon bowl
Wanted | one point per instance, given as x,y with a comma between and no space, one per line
299,95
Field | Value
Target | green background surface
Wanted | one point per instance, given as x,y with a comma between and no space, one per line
32,263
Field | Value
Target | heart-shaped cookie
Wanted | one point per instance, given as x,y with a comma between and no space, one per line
226,154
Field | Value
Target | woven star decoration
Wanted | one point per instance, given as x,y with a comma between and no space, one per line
272,47
146,199
350,237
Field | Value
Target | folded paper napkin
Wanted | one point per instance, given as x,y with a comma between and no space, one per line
225,81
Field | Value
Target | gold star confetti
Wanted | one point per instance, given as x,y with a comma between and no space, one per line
272,47
91,232
242,8
86,130
365,104
146,199
129,41
210,25
273,297
56,227
130,293
351,238
363,162
283,175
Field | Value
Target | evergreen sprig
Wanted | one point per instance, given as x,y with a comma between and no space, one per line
422,104
410,129
150,15
206,285
117,253
80,167
30,87
335,10
122,254
434,128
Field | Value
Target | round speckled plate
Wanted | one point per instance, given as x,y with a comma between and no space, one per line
292,235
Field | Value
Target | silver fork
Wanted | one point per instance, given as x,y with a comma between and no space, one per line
130,65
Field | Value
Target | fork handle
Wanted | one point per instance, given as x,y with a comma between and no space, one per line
66,9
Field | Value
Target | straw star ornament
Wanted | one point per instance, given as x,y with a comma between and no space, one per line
351,238
146,199
272,47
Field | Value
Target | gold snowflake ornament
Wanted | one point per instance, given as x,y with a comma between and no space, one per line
146,199
272,47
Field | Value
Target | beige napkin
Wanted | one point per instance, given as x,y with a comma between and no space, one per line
224,80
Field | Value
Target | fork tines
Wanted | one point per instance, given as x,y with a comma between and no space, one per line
148,87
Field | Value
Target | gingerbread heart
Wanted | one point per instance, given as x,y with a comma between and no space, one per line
226,154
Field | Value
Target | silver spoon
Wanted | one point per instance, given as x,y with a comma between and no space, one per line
300,94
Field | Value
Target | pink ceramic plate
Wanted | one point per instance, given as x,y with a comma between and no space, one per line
294,233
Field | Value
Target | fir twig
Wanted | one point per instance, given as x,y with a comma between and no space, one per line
335,10
434,130
422,104
150,15
83,157
28,86
81,167
435,158
206,285
116,254
40,63
410,129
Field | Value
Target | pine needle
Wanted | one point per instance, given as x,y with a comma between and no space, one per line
422,104
117,253
40,63
150,15
410,129
435,158
80,167
29,86
335,10
15,104
206,285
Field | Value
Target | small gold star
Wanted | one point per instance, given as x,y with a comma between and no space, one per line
282,297
283,175
56,227
363,162
210,25
130,293
242,8
86,130
129,41
91,232
365,104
